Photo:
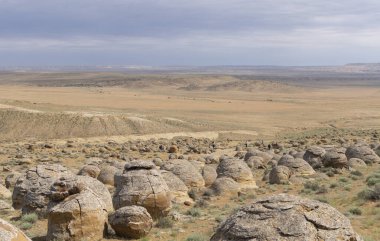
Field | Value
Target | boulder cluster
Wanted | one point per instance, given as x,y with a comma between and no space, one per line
117,195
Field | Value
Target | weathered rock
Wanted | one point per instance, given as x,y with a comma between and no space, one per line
225,186
279,175
4,192
356,162
107,175
173,149
141,184
264,155
177,188
90,170
362,152
186,172
209,175
81,216
236,169
298,166
5,208
256,162
336,158
286,218
131,222
66,186
11,179
10,233
314,156
32,189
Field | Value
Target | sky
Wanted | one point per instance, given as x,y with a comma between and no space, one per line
189,32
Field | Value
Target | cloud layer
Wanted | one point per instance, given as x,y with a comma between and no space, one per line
197,32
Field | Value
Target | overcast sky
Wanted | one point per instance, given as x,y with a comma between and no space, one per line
189,32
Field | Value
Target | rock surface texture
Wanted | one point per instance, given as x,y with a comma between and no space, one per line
142,185
285,217
10,233
131,222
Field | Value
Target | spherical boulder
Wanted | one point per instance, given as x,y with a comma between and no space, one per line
131,222
225,186
298,166
90,170
80,216
336,158
209,174
178,189
107,175
356,162
286,218
185,171
237,170
141,184
279,175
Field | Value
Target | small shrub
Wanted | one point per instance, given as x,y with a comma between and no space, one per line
26,225
322,189
373,179
311,185
371,194
355,211
196,237
333,185
164,222
194,212
357,173
201,203
29,218
343,179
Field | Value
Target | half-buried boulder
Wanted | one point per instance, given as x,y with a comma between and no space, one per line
286,218
177,188
142,185
314,156
131,222
298,166
279,175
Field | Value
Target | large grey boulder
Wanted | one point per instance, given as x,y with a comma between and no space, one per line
237,170
299,167
142,185
363,152
32,189
131,222
314,156
336,158
185,171
279,175
286,218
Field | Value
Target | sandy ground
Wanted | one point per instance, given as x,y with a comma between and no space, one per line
123,111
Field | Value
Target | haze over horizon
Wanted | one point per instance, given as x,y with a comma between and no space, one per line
196,33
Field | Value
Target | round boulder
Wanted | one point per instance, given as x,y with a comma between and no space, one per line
356,162
298,166
225,186
90,170
362,152
286,218
141,184
107,175
185,171
131,222
236,169
279,175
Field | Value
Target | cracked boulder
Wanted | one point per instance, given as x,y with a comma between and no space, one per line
237,170
336,158
32,189
286,218
279,175
141,184
82,215
298,167
131,222
314,156
363,152
10,233
186,172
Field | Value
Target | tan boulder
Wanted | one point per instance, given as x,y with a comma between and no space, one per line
131,222
10,233
4,192
185,171
142,185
